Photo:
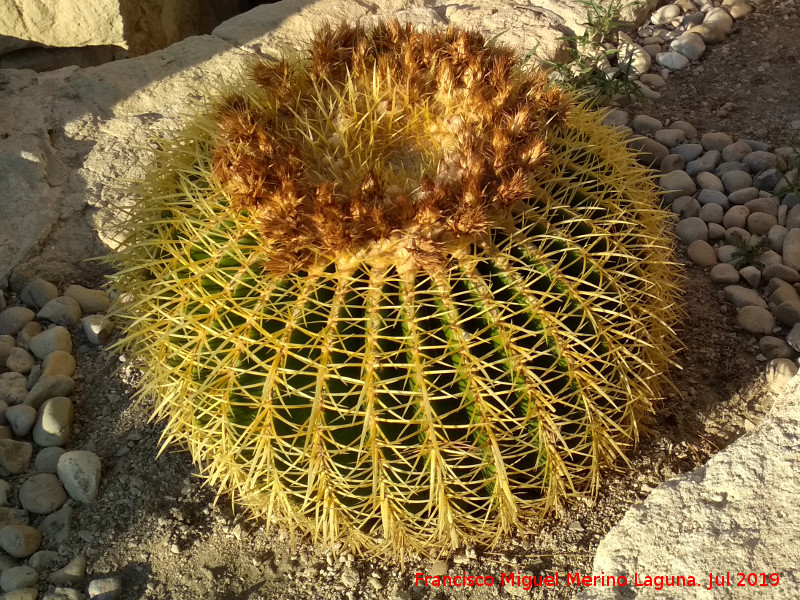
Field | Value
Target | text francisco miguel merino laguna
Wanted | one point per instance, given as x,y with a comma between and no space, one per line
526,582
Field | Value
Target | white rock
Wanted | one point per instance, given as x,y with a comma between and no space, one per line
72,574
672,60
690,45
736,216
737,8
110,588
79,471
97,329
631,56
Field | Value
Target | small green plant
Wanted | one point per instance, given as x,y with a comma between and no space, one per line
748,251
591,56
401,293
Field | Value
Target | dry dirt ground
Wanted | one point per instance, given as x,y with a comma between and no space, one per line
157,527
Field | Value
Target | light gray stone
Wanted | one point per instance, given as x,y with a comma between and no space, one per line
713,197
788,313
64,593
631,56
42,494
767,205
50,340
741,296
791,248
736,216
21,418
691,229
793,338
751,275
61,311
15,318
38,293
736,182
672,60
737,8
724,273
747,491
709,181
616,118
760,161
54,423
687,128
784,272
770,257
665,14
760,223
702,254
20,541
690,45
57,527
108,588
778,294
49,387
779,372
79,471
90,301
726,167
672,162
44,560
775,347
29,593
670,137
645,124
25,334
715,232
18,577
6,344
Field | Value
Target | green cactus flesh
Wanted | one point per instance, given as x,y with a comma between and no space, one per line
402,294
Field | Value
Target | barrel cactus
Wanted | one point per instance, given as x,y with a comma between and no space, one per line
400,293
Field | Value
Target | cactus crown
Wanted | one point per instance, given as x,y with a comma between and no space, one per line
401,294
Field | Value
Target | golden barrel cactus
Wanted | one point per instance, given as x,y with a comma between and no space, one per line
400,293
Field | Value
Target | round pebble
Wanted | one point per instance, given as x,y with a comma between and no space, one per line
691,229
672,60
687,128
677,184
61,311
21,418
72,574
715,141
760,223
779,372
38,293
79,472
751,275
715,231
50,340
755,319
791,248
685,206
670,137
760,161
702,254
13,319
724,274
741,296
736,216
110,588
20,360
90,301
709,181
42,494
711,213
689,44
54,423
743,195
706,162
672,162
713,197
20,541
782,272
47,459
18,577
689,152
766,205
646,124
775,347
736,151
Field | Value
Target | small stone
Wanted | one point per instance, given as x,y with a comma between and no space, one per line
47,459
50,340
775,347
724,273
751,275
690,45
6,344
14,457
25,334
738,181
13,516
49,387
44,560
631,57
61,311
685,207
677,184
788,313
375,583
702,254
737,8
770,258
709,181
97,329
72,574
652,79
691,229
784,272
715,232
110,588
774,285
615,118
760,161
13,319
90,301
18,577
706,162
741,296
715,141
672,162
665,14
689,152
760,223
791,248
713,197
728,166
793,338
54,423
79,471
29,593
670,137
767,205
755,319
13,387
767,180
64,593
21,417
34,376
781,293
779,372
687,128
736,151
42,494
793,218
59,363
56,527
736,216
711,213
20,541
350,577
672,60
646,124
38,293
20,361
5,490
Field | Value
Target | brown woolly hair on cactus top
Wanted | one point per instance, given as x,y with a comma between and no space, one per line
400,293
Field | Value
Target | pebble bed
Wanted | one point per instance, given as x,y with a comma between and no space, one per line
41,480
